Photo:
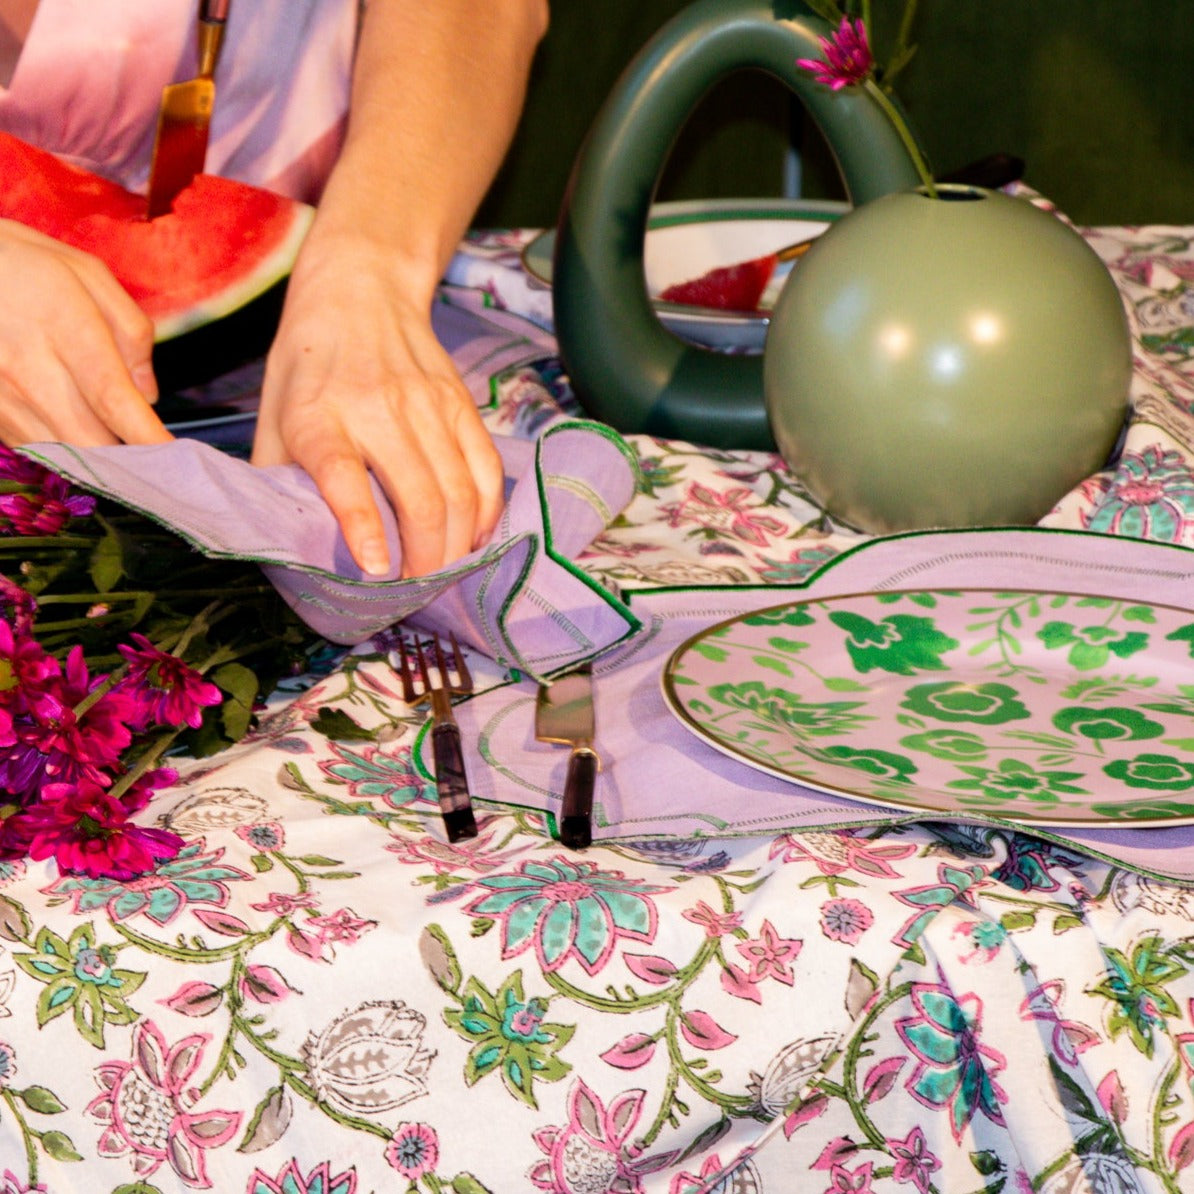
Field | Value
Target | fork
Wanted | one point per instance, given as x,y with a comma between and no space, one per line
418,686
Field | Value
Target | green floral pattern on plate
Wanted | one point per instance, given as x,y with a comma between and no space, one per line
1051,708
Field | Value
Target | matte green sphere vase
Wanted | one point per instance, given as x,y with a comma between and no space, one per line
959,361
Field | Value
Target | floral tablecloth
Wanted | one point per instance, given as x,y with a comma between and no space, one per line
320,995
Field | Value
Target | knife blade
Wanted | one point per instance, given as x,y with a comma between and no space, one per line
184,119
564,715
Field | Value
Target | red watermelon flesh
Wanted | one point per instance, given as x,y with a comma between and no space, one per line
728,288
223,244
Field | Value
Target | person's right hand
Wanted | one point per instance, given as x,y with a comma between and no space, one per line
75,350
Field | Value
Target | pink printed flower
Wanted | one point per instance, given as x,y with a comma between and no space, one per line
914,1162
284,903
695,1183
147,1106
770,956
837,851
845,920
848,59
850,1181
593,1150
716,924
11,1184
166,691
264,836
341,925
729,513
413,1150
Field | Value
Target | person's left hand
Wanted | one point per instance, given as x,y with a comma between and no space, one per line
357,381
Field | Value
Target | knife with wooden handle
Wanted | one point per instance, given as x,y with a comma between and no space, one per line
184,119
564,715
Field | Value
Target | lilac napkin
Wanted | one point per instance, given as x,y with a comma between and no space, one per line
519,599
660,781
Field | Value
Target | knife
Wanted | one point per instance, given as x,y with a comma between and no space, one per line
180,147
564,715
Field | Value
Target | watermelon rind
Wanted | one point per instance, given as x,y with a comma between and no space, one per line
268,271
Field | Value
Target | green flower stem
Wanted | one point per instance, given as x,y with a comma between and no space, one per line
898,123
847,1089
1158,1165
27,1134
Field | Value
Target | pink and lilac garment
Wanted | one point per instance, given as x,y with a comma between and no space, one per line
90,78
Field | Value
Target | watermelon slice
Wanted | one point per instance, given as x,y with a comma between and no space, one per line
222,246
728,288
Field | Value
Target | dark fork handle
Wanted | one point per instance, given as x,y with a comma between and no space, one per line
451,784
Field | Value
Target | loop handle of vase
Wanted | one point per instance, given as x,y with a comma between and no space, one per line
626,368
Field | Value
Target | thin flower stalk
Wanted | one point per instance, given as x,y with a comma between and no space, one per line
848,61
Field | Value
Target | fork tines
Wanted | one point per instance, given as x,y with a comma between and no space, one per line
418,685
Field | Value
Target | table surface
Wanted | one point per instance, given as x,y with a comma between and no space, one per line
321,994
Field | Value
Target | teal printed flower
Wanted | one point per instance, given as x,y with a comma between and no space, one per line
954,1071
292,1180
1028,862
800,563
883,764
1014,779
901,643
193,876
955,746
1135,986
372,774
986,704
780,707
1160,773
509,1036
564,909
81,977
1150,497
1091,647
1106,725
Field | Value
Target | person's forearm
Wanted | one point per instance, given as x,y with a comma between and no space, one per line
437,93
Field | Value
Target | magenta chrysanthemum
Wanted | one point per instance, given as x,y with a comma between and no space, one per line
87,830
22,470
848,59
166,691
45,512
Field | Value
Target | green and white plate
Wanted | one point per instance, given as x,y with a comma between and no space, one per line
1038,707
688,237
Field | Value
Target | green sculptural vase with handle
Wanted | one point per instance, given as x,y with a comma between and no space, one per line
626,367
955,359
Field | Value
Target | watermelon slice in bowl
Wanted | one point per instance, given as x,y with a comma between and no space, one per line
210,273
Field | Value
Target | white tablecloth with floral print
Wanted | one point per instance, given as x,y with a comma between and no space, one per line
321,995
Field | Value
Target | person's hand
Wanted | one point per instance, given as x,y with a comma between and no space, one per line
75,350
357,381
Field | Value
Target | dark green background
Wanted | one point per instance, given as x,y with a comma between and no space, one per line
1097,96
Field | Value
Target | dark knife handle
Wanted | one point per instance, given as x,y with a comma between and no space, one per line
576,812
451,784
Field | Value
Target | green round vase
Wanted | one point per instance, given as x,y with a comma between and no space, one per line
943,362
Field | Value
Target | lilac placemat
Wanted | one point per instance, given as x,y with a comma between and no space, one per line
660,781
